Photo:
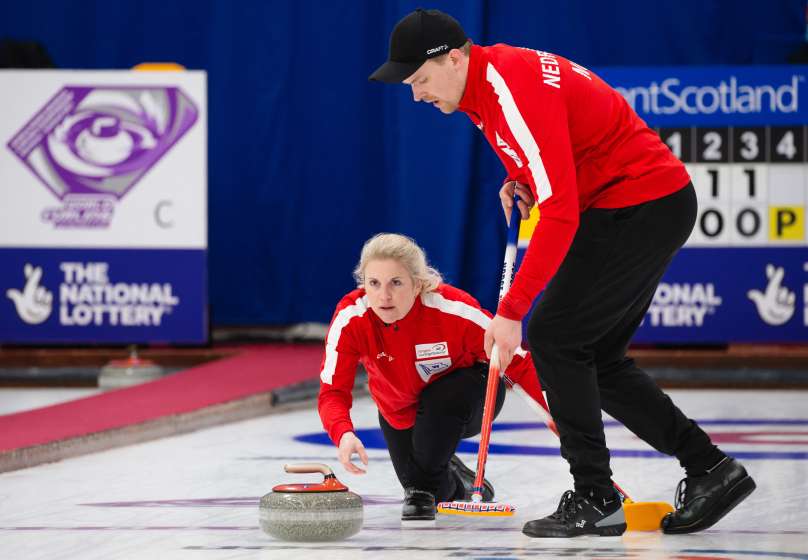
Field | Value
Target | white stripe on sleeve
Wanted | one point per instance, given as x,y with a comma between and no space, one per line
342,319
464,310
521,132
458,308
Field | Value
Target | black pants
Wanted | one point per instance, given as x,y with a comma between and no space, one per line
449,409
581,328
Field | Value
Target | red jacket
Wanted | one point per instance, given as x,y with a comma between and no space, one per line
562,130
442,332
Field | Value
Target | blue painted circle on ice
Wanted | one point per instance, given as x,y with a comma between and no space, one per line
372,439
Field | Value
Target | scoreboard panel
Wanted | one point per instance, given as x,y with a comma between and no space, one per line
742,134
750,181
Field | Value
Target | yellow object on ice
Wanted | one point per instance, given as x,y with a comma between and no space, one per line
645,516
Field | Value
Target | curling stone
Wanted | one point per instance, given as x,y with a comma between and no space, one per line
131,371
311,512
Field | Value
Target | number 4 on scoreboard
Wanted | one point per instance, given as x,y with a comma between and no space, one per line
787,144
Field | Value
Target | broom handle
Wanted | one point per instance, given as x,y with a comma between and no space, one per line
488,419
493,365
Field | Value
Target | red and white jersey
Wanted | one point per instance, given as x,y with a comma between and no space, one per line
442,332
559,128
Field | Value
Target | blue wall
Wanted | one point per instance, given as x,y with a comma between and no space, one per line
307,159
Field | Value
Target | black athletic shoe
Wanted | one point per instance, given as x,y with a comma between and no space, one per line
465,478
701,501
578,515
418,505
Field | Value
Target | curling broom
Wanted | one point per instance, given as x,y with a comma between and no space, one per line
476,507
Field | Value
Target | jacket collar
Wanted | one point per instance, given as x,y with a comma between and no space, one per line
471,103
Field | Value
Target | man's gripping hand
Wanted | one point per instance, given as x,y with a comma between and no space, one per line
525,203
507,335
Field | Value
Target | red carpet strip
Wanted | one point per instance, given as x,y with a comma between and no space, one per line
257,369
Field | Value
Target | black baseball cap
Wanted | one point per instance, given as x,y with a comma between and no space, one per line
419,36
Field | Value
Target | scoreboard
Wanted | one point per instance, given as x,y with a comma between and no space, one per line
750,182
741,133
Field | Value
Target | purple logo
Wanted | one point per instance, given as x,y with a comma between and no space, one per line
91,145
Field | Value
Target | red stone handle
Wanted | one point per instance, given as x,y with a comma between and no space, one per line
329,483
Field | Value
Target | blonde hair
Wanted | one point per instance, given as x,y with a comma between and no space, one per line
402,249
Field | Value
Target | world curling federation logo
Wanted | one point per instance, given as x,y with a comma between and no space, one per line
90,146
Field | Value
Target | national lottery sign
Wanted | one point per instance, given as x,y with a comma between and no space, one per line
741,132
103,200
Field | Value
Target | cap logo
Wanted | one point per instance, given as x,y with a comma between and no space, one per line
437,49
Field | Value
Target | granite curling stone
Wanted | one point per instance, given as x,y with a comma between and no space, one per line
311,512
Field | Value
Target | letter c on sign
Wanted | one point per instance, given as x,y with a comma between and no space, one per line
158,214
